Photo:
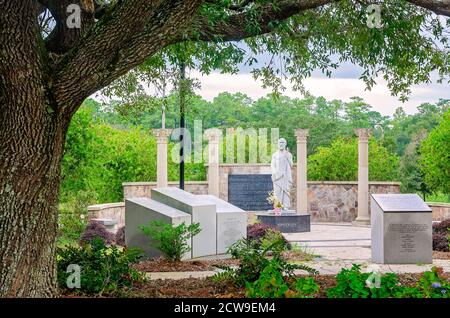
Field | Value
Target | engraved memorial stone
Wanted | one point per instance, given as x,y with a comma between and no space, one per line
249,191
401,229
201,210
231,223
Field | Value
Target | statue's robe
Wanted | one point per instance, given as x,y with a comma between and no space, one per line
281,168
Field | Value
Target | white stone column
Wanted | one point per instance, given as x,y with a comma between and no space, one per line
302,178
161,156
213,136
363,177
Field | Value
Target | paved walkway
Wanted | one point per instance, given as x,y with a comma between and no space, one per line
339,246
336,246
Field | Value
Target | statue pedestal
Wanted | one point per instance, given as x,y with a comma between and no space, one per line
287,222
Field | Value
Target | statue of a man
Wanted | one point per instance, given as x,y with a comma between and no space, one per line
281,166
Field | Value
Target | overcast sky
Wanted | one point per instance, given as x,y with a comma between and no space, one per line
344,84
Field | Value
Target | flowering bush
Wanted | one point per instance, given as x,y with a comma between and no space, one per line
103,269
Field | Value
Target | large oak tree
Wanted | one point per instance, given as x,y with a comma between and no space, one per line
48,69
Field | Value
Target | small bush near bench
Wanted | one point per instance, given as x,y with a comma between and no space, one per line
103,269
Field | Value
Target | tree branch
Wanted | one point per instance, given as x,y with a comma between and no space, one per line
62,38
440,7
124,37
235,28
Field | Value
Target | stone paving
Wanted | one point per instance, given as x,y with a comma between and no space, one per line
336,246
339,246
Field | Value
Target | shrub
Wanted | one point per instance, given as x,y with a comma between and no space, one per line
94,230
73,216
103,269
440,236
306,287
430,285
169,239
441,227
440,242
120,236
272,284
257,231
253,258
351,283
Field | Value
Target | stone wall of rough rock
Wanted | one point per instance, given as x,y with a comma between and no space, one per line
441,211
115,211
328,201
338,201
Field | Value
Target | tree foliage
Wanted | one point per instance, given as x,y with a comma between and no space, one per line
435,156
339,162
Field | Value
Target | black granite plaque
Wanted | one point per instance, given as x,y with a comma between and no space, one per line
287,222
250,191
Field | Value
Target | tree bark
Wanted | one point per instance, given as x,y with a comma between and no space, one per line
32,133
29,187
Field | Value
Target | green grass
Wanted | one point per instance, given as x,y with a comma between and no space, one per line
438,197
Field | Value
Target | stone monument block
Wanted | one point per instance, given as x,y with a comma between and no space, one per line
201,210
231,223
401,229
141,211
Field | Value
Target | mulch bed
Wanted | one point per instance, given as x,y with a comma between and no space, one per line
206,288
441,255
162,265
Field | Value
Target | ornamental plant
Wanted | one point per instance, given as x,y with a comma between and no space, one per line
272,284
95,230
431,284
103,269
120,236
441,232
171,240
255,256
352,283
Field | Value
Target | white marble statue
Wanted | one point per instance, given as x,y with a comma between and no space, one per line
281,166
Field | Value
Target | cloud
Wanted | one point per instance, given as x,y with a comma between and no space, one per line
342,88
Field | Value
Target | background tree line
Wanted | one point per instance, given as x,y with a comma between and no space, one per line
112,143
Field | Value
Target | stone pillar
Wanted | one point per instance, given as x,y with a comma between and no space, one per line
161,156
213,136
302,185
363,177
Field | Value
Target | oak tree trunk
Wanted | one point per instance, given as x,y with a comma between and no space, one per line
32,134
29,184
